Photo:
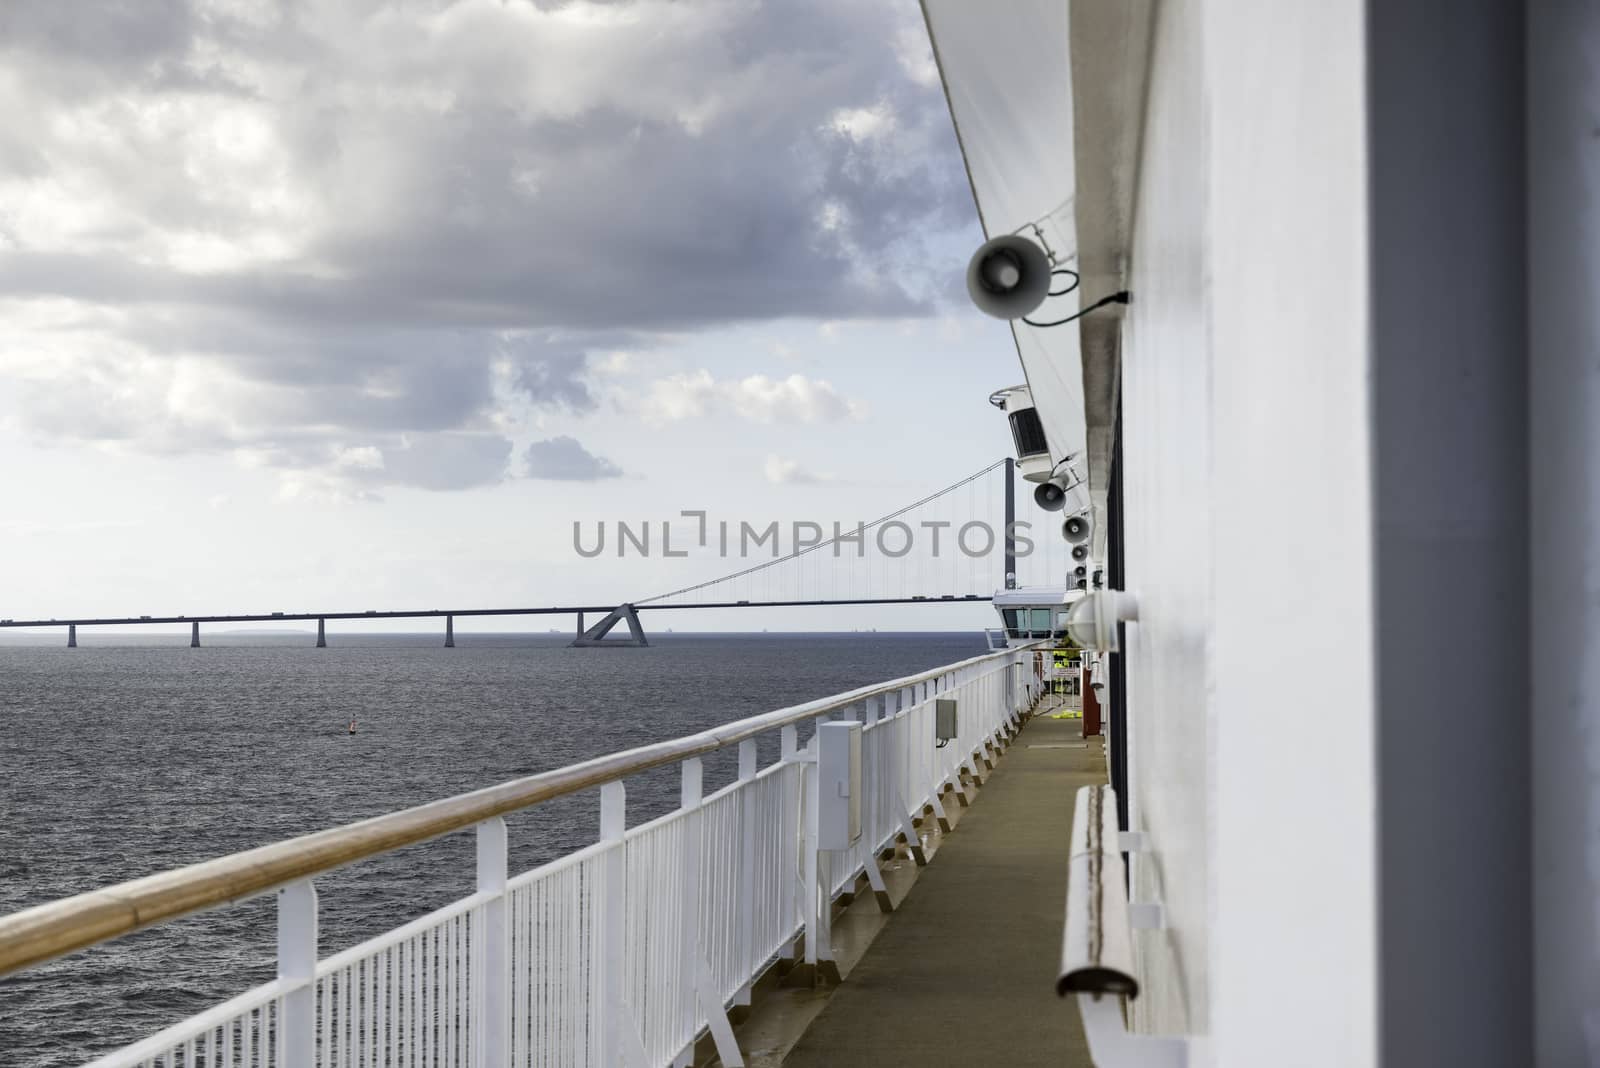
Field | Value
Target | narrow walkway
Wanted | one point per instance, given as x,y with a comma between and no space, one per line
963,973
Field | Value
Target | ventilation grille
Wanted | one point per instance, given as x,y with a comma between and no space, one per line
1028,432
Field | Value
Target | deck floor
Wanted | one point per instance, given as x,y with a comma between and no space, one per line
963,972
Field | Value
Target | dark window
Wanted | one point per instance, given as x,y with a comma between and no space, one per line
1009,615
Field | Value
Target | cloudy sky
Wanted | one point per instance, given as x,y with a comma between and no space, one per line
362,303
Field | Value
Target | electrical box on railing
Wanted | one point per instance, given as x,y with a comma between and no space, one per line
838,784
944,720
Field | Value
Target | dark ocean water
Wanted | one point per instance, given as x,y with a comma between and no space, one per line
119,760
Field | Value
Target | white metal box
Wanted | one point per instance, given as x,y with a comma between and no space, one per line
838,784
944,720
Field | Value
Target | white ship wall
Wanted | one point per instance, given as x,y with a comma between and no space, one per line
1168,541
1320,211
1246,424
1296,929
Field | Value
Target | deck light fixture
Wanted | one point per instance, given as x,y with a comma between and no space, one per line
1092,621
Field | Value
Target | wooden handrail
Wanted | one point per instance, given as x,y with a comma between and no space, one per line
57,928
1097,943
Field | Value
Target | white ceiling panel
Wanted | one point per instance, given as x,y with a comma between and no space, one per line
1006,74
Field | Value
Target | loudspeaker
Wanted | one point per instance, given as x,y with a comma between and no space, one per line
1050,496
1008,277
1076,529
1080,553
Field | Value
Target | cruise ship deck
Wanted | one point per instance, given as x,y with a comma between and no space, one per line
1302,301
963,971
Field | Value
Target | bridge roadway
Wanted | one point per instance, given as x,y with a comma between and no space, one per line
435,613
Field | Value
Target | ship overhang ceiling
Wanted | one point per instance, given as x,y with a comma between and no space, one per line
1006,78
1048,102
1110,50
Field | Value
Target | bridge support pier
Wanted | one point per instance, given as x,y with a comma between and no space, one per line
449,632
596,635
322,634
580,624
72,635
194,635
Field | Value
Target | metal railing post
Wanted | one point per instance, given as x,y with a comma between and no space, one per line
819,873
788,877
747,868
491,1001
297,963
873,711
809,817
878,761
690,793
611,928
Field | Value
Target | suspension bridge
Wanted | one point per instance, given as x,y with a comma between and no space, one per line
955,545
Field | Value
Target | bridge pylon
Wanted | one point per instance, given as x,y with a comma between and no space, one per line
596,635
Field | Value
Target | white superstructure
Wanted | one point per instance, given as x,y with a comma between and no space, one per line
1340,446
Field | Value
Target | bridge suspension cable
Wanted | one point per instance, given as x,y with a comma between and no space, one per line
855,535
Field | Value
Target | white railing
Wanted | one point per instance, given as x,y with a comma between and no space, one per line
621,953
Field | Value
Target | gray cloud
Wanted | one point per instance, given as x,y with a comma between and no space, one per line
357,220
564,459
120,36
551,373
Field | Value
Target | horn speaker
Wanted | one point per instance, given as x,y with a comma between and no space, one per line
1008,277
1076,529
